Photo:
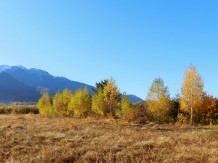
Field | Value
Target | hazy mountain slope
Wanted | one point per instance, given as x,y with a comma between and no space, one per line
39,81
13,90
134,98
36,79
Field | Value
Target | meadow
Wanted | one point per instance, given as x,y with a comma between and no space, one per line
33,138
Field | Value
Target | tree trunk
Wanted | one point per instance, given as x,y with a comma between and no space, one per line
191,109
191,122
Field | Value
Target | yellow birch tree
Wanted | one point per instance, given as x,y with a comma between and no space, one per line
98,102
158,100
191,93
80,103
45,105
127,110
61,101
112,96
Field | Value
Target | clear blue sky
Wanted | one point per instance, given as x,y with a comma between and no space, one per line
131,41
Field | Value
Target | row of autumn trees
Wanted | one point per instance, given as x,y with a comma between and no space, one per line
106,102
192,105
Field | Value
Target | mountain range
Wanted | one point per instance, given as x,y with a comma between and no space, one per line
18,83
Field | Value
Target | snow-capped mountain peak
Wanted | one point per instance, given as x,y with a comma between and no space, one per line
19,66
35,71
4,67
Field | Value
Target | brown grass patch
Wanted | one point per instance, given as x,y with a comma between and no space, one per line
40,139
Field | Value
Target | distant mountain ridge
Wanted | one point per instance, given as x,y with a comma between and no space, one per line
134,98
29,84
36,78
13,90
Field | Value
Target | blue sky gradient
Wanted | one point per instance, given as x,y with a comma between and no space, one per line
131,41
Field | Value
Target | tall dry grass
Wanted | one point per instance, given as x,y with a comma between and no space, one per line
39,139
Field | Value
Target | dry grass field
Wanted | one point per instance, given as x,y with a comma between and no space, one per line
31,138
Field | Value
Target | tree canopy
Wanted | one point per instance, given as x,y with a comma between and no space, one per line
158,100
191,92
192,103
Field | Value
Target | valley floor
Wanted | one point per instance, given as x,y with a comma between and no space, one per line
31,138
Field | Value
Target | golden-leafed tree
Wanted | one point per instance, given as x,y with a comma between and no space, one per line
127,111
208,109
98,102
208,102
106,99
61,101
80,103
112,96
158,100
44,105
191,93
